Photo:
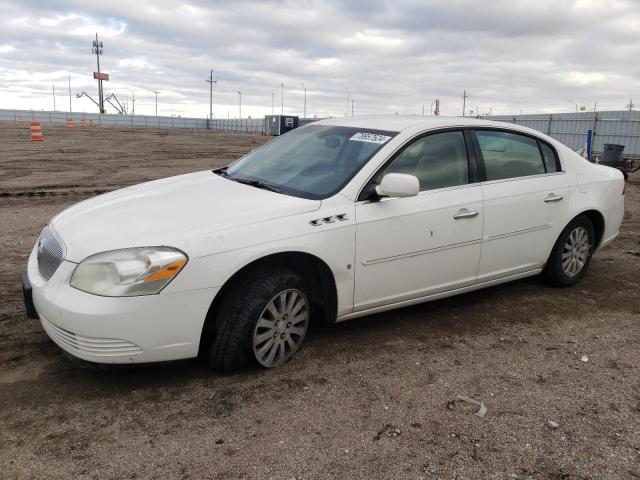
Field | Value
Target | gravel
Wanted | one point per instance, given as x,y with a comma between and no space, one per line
365,399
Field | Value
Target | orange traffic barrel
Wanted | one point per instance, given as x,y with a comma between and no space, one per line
91,122
83,123
70,123
36,132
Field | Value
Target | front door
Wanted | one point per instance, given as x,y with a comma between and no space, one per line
407,248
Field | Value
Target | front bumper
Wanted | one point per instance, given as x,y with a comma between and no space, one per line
151,328
27,296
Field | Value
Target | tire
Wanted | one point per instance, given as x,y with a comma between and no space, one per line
577,259
239,338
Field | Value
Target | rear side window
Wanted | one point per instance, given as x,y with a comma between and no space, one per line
509,155
549,157
438,160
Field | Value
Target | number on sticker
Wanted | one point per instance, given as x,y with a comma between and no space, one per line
369,137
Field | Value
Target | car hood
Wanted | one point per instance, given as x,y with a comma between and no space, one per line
178,211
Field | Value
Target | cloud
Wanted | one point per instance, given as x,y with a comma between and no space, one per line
391,56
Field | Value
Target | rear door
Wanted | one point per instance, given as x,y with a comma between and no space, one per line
525,202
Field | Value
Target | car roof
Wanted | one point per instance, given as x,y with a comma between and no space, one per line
398,123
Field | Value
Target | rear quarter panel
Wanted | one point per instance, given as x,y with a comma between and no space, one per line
595,187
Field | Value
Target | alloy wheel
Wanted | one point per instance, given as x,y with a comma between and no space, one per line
576,251
281,328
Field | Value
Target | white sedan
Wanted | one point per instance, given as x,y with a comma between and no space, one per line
335,220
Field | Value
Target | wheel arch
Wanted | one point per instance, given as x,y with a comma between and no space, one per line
320,278
597,220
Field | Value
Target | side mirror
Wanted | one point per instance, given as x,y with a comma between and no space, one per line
398,185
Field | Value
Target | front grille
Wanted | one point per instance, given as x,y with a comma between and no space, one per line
99,347
50,253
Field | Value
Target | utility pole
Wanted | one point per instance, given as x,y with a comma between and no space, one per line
631,105
239,104
53,89
346,112
436,102
156,101
304,115
97,49
133,104
70,110
282,99
464,102
273,95
211,81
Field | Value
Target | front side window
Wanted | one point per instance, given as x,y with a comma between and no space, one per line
509,155
314,161
438,160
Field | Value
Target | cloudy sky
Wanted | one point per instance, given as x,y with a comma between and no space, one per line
391,56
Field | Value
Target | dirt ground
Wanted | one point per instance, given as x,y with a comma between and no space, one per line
370,398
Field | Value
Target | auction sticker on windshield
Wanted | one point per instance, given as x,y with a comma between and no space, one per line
370,137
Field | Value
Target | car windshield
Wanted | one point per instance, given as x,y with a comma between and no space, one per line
315,161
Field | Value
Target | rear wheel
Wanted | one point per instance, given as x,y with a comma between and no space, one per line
263,320
571,254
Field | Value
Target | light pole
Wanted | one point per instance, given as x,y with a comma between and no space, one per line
571,101
69,92
156,92
464,101
211,81
53,90
239,104
282,99
273,95
304,115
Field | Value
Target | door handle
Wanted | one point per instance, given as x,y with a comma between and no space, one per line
464,213
552,198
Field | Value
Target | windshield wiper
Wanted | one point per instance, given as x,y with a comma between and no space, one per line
254,183
221,171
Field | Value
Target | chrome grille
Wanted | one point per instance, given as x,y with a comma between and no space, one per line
50,253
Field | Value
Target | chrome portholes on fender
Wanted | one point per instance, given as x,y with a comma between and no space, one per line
331,219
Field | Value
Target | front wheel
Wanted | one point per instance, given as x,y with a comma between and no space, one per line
262,320
571,254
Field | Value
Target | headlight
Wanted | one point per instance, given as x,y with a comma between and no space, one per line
129,272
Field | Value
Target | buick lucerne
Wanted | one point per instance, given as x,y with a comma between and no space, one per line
334,220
